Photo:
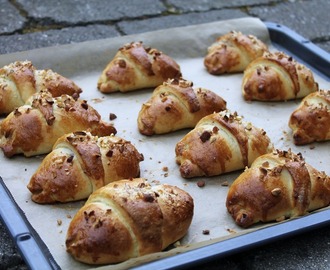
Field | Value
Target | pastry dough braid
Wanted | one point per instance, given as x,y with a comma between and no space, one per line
32,129
176,105
20,80
310,122
127,219
232,52
79,164
277,77
221,142
136,67
278,185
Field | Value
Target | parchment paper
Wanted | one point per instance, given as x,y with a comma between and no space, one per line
84,62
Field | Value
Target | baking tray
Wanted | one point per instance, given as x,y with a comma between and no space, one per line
35,252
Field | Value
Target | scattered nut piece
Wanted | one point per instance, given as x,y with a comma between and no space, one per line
97,100
206,232
201,183
59,222
112,116
231,230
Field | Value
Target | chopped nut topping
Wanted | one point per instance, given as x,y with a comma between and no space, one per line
121,148
84,105
98,224
148,197
17,112
263,170
206,135
258,71
141,185
109,153
121,63
51,120
248,126
276,192
79,133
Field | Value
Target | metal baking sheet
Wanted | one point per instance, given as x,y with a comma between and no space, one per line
36,232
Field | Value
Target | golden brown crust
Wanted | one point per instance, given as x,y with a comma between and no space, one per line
278,185
88,233
20,80
220,143
135,67
277,77
128,218
310,122
176,105
32,129
79,164
232,52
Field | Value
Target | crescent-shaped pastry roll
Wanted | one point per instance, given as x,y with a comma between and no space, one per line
310,122
232,52
277,186
135,67
277,77
127,219
220,143
20,80
79,164
33,128
177,105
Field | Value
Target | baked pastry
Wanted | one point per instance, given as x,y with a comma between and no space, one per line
277,77
33,128
278,185
127,219
232,52
135,67
220,143
310,122
20,80
80,163
176,105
